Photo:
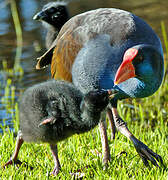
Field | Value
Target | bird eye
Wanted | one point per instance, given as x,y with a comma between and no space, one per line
59,8
139,58
52,10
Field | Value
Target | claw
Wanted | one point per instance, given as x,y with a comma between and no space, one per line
146,154
149,157
158,157
55,171
144,160
11,161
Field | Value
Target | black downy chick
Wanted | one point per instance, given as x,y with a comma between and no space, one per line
53,16
54,110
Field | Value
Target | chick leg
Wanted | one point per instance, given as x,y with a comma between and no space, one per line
104,141
57,165
13,159
111,122
145,153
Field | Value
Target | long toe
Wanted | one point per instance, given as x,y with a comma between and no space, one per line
11,161
147,154
55,171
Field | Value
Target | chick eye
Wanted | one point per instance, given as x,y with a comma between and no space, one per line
59,8
52,10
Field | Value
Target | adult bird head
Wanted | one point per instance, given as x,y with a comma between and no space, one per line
141,72
54,14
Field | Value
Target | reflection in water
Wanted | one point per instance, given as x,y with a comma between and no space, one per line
33,33
4,13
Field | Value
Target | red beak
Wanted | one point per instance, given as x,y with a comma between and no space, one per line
126,69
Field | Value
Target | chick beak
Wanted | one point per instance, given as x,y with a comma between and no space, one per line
111,93
39,16
126,69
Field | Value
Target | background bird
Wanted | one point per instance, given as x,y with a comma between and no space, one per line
53,16
52,111
109,48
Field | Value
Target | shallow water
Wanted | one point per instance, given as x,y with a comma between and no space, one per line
152,11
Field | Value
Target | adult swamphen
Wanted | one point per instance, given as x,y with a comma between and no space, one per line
54,110
109,48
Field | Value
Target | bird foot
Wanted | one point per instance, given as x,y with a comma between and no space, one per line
55,171
12,161
146,154
105,163
106,159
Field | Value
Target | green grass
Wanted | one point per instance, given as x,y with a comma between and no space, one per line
146,118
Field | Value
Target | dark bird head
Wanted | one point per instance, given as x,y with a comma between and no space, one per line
54,14
97,99
141,71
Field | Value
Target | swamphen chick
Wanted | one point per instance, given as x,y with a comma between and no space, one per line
54,110
106,48
53,16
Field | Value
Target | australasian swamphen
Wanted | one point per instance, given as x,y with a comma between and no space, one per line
53,16
54,110
109,48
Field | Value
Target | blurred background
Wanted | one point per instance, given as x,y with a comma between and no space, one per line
20,47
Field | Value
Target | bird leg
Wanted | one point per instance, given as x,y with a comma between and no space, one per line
57,165
111,122
104,141
145,153
13,159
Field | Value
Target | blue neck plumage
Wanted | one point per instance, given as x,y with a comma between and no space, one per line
136,88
